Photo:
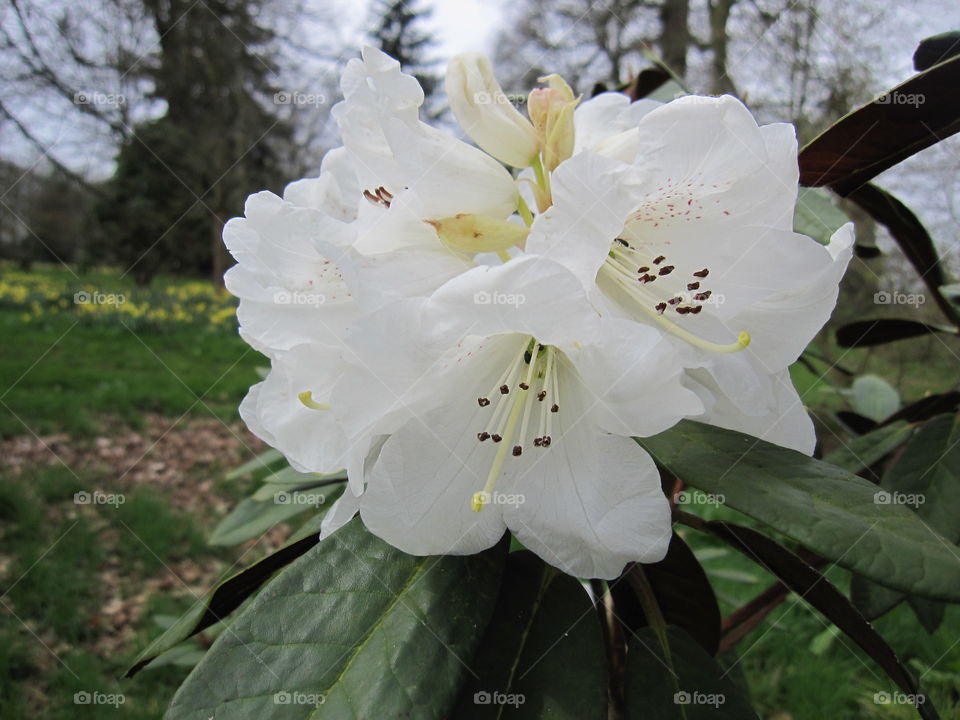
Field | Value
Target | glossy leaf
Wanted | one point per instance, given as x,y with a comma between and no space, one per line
267,460
683,683
817,216
228,595
927,407
353,629
864,333
906,229
864,451
874,398
827,509
820,593
903,121
936,49
542,655
682,591
251,517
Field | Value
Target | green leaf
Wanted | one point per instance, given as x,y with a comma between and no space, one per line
874,398
936,49
827,509
228,595
682,591
906,119
251,518
928,471
289,476
927,407
929,613
864,333
817,216
906,229
820,593
353,629
682,684
926,477
264,461
542,655
864,451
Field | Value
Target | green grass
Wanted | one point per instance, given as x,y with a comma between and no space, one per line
60,375
53,593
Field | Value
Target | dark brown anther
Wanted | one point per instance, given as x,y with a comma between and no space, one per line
702,274
685,309
496,438
647,278
384,193
555,408
661,307
541,395
666,270
546,441
659,259
643,269
693,286
481,436
517,451
674,301
524,386
622,242
696,309
504,389
702,296
482,402
537,442
371,197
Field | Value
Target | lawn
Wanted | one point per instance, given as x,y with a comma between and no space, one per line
84,587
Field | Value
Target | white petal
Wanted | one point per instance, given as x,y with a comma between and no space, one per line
311,440
606,115
592,502
591,202
783,421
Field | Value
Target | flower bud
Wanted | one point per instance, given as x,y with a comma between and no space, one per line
551,110
482,109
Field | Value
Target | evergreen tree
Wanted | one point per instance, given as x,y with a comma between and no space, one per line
180,177
397,30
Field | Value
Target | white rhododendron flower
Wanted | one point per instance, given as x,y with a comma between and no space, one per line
478,348
510,403
689,230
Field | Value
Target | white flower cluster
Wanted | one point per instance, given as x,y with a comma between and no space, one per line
618,225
